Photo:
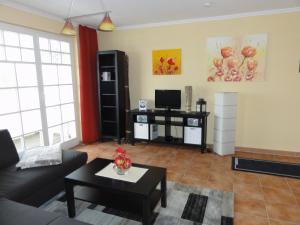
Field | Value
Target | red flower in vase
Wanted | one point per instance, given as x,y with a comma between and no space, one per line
122,162
127,163
120,151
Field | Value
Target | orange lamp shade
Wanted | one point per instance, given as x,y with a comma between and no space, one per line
106,24
68,28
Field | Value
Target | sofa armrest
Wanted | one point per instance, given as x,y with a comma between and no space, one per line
8,151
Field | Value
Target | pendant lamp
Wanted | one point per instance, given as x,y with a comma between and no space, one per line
106,24
68,28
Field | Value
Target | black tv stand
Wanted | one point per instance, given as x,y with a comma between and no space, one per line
194,135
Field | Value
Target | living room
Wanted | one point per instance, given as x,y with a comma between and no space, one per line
204,47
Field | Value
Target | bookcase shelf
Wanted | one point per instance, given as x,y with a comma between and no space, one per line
111,94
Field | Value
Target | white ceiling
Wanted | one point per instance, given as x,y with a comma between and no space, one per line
126,13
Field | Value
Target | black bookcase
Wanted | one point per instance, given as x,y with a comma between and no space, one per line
111,94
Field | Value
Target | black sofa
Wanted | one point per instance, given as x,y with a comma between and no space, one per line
32,186
36,185
13,213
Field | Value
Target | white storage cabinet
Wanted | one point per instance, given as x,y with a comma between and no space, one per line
225,122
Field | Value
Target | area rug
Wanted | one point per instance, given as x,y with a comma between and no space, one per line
187,205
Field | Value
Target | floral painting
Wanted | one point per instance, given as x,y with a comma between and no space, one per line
166,62
236,59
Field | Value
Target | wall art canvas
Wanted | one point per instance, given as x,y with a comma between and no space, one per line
166,62
237,59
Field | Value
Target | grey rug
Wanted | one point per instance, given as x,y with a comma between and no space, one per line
187,205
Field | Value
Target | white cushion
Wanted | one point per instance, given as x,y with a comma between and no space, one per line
41,156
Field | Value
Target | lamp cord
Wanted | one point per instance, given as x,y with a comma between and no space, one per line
102,5
70,8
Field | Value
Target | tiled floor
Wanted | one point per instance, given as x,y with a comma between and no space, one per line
259,199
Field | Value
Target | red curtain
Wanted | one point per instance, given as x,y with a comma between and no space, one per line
88,84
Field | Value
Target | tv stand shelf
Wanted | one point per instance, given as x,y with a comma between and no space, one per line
194,135
171,123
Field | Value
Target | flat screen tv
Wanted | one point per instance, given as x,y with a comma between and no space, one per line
168,99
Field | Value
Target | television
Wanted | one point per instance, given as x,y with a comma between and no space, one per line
168,99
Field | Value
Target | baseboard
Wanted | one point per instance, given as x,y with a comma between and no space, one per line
267,151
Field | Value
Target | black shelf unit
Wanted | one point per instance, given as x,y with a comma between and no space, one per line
111,94
168,123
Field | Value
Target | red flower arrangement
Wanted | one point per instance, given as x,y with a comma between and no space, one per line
121,161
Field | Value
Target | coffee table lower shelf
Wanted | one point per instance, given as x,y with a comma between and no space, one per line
121,202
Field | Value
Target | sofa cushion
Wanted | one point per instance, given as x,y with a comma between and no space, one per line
8,151
19,184
13,213
41,156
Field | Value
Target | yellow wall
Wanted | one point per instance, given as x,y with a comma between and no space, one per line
268,112
22,18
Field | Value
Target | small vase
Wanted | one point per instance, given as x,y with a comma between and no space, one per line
120,171
188,98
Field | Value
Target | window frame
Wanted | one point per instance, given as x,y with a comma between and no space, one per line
36,34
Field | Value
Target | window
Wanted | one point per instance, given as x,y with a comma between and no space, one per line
36,88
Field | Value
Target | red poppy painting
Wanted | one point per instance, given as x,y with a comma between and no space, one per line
236,59
166,62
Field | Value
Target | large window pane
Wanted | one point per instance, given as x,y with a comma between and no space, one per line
21,91
69,130
7,75
11,38
2,53
55,46
66,94
31,121
26,41
65,46
29,98
68,113
51,95
64,74
56,58
26,74
33,140
44,43
55,135
66,59
45,57
9,101
1,37
27,55
53,116
49,74
13,54
12,122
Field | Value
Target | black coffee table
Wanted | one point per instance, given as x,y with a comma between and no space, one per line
139,198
